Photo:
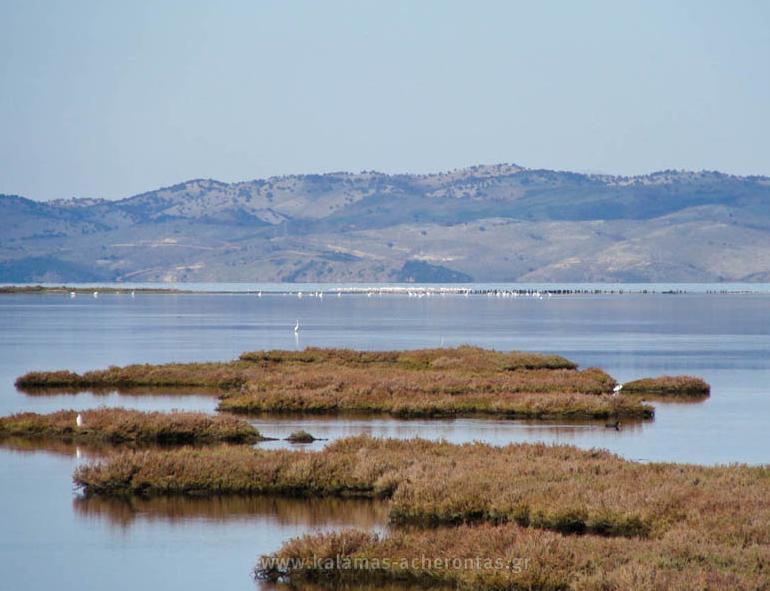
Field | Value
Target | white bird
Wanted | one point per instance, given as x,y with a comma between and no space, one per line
617,389
299,294
133,294
72,294
96,294
296,326
79,420
259,294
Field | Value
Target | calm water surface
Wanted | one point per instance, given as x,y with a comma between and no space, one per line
52,538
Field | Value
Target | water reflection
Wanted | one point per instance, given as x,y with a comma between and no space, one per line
139,399
464,430
311,513
155,391
58,447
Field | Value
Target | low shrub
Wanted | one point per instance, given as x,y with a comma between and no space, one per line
300,437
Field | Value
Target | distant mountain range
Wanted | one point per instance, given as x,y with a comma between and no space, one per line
484,223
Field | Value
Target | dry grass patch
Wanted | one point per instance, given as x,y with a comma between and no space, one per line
501,558
669,387
428,383
211,375
468,357
557,488
301,437
532,393
117,425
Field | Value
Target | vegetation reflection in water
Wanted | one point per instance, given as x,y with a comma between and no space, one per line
311,513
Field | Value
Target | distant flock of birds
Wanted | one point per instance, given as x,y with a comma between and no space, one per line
412,293
74,294
427,293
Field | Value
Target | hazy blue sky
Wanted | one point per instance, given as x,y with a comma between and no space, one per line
108,99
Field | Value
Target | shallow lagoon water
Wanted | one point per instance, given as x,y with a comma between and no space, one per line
50,538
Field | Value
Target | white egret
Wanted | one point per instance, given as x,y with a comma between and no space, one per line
79,420
616,390
72,294
296,327
96,294
133,293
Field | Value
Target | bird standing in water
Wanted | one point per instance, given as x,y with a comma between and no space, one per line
79,420
296,327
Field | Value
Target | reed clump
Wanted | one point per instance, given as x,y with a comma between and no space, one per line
669,387
421,383
120,425
557,488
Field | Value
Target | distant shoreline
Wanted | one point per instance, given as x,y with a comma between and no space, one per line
415,290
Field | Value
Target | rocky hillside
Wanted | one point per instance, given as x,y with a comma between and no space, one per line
485,223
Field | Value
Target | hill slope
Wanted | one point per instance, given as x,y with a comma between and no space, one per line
484,223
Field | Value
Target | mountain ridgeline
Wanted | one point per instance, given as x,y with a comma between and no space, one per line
484,223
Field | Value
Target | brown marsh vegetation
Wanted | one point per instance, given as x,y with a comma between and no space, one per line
206,375
118,425
428,382
504,557
575,519
558,488
669,387
301,437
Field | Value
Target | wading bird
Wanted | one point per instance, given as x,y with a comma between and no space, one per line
79,420
296,327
